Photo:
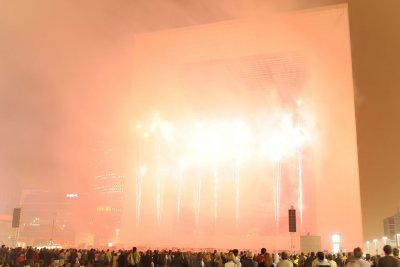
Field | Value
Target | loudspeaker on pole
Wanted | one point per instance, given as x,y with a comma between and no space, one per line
292,220
16,217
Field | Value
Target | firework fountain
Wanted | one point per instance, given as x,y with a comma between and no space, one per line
216,140
180,184
300,173
139,185
216,145
156,129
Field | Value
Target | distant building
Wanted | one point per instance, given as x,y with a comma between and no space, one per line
108,192
391,226
50,216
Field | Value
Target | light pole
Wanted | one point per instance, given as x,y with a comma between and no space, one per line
336,241
376,246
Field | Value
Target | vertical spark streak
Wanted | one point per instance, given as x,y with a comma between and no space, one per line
158,178
300,162
300,170
179,190
279,189
216,180
276,177
137,189
300,165
138,197
198,196
275,191
139,183
237,190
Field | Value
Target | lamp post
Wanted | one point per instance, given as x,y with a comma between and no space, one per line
376,246
336,241
117,235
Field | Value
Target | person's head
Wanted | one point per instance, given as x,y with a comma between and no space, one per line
329,257
217,256
387,249
263,250
284,255
375,260
312,255
267,259
230,256
235,252
396,252
249,255
358,253
320,256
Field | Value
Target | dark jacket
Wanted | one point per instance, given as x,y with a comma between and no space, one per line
389,261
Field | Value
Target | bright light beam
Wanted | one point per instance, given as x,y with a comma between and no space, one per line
241,135
216,186
300,169
139,182
155,128
198,195
237,191
217,140
299,139
180,182
276,176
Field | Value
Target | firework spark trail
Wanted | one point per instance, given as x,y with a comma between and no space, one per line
237,190
139,183
279,189
158,178
300,162
198,195
216,181
179,190
276,176
137,198
275,190
300,171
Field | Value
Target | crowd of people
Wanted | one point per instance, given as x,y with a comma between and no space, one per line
33,257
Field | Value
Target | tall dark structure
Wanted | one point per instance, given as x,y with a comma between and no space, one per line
16,217
292,220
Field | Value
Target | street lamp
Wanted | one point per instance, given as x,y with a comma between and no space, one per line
117,235
376,245
384,240
336,241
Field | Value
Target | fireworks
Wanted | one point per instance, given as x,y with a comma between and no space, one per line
191,149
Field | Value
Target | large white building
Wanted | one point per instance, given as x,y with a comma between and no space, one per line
242,68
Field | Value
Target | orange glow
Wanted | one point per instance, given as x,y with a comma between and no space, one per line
245,102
